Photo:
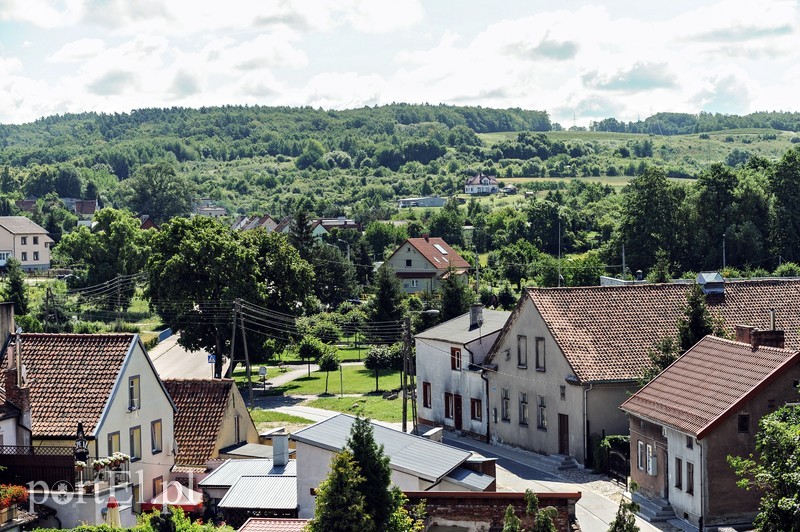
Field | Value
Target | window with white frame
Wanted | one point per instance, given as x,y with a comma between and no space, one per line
455,358
640,456
134,394
475,409
414,283
523,408
541,418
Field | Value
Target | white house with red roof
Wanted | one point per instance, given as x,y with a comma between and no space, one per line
422,263
107,383
568,357
481,184
703,408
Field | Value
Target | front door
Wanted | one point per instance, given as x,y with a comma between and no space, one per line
563,434
457,411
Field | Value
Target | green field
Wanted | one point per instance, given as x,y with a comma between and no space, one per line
355,380
371,406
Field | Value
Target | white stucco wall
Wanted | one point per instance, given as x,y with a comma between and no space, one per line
154,405
678,498
74,509
8,431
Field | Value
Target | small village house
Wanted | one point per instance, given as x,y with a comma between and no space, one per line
481,184
451,390
422,263
25,241
703,408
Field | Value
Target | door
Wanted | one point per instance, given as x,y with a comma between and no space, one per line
563,434
457,411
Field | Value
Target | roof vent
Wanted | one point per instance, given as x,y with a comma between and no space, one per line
711,282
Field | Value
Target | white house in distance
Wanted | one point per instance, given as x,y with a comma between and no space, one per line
481,184
418,464
450,389
421,263
26,241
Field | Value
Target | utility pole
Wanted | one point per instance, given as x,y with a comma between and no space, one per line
246,351
406,356
48,296
723,251
477,272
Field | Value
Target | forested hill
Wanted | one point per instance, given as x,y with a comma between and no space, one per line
685,123
242,130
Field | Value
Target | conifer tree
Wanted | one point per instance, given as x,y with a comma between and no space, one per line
16,289
379,500
340,501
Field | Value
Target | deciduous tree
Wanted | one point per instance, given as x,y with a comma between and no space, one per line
158,190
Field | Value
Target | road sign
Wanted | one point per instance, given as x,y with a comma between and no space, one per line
212,359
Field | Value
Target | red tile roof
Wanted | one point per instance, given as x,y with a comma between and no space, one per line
71,378
264,524
605,332
708,383
201,407
440,261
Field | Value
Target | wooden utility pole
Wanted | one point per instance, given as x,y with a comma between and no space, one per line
406,356
246,352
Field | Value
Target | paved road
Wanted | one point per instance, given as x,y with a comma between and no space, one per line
174,362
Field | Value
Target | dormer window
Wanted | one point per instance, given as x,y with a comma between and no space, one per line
134,394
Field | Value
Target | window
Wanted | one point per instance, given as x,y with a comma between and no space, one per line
476,409
540,354
651,461
770,403
541,418
5,255
522,351
24,256
414,283
134,399
155,438
640,456
504,403
35,255
689,478
678,473
408,263
136,443
113,443
455,358
136,495
36,241
563,390
426,394
158,485
23,240
236,428
523,408
744,423
448,405
689,442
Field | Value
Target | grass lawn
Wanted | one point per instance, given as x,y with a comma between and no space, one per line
271,416
355,379
371,406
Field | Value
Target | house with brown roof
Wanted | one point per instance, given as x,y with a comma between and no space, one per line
422,263
481,184
568,357
703,408
26,241
107,383
246,223
212,415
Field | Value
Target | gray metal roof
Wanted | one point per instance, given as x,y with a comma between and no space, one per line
458,331
469,479
228,473
250,450
259,492
411,454
20,225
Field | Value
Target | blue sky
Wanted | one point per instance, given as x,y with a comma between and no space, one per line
578,60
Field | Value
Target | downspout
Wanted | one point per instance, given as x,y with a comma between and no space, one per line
585,423
702,487
488,410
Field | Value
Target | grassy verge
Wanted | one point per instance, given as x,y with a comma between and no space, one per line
355,380
371,406
271,416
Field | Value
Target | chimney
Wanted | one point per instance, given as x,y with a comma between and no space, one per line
757,338
280,449
426,236
475,316
743,333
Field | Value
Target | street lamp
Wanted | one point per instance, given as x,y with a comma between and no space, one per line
346,243
407,357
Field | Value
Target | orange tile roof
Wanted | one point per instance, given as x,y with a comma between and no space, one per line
709,382
201,407
71,378
605,332
265,524
439,260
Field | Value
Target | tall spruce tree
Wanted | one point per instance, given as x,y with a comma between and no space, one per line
340,498
379,500
696,321
16,289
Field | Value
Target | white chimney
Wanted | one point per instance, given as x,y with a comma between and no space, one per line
475,316
280,449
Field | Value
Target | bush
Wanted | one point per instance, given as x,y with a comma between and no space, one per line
604,445
788,269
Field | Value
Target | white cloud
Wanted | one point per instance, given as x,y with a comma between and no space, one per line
79,50
42,13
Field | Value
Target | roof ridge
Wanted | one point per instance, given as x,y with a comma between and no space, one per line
784,350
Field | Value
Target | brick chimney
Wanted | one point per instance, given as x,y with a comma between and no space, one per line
756,337
426,236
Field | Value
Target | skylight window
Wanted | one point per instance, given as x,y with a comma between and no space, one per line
440,248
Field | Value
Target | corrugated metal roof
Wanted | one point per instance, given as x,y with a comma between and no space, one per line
469,479
411,454
228,473
457,330
259,492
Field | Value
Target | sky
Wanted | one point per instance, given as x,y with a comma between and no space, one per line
580,61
